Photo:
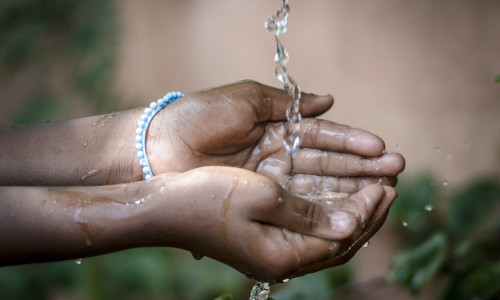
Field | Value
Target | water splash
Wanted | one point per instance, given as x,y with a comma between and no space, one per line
260,291
278,24
404,223
366,244
429,207
78,261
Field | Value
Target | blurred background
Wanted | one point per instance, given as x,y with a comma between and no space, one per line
423,75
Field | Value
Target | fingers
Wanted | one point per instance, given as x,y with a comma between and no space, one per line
292,253
335,221
302,184
277,101
321,134
371,227
318,162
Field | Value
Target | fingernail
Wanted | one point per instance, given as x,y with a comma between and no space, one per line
340,221
322,94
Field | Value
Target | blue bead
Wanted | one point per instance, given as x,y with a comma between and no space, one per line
143,162
144,117
138,138
146,170
148,177
141,124
138,146
162,103
140,154
153,105
148,111
138,131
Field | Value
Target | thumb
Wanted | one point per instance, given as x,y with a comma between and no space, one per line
335,219
277,102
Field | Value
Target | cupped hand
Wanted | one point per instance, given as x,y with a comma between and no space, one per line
248,221
242,125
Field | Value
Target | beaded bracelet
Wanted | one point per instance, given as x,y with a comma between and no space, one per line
142,128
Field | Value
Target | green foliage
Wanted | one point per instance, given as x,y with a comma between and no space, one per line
472,206
39,108
320,286
417,267
497,79
410,207
459,243
152,273
72,43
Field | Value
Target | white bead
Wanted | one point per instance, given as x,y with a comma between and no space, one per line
138,131
153,105
148,111
138,146
144,162
148,177
140,154
141,124
144,117
146,170
138,138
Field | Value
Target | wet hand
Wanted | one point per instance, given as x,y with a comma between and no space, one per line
241,125
249,222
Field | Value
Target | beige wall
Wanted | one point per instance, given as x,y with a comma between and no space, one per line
418,73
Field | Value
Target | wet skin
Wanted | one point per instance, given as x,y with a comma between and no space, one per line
239,217
241,125
224,172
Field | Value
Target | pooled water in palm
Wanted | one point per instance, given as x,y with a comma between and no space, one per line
277,24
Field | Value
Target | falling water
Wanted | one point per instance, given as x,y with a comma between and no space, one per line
278,24
260,291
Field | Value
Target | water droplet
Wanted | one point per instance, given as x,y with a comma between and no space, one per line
404,223
397,146
285,280
437,149
78,261
197,255
449,157
366,244
90,174
445,182
429,207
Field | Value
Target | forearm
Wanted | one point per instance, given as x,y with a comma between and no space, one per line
89,151
40,224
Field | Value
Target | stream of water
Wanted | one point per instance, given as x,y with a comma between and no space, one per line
277,24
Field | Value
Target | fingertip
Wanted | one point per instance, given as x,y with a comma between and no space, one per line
315,105
390,193
394,163
342,225
364,143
